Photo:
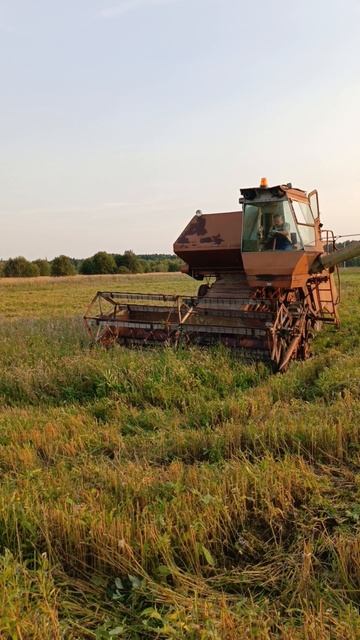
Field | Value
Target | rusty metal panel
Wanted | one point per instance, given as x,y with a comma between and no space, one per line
211,241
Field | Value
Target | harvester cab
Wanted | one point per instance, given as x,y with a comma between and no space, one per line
273,221
280,219
269,282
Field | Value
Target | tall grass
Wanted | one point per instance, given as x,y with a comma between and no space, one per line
162,494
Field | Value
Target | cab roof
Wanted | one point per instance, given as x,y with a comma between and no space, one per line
277,192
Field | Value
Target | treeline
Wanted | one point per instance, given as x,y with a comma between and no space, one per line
100,263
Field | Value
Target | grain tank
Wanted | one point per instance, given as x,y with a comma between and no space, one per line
269,281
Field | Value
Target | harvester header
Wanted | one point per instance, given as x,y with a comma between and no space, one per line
268,282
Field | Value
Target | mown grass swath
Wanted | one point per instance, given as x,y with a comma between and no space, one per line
162,494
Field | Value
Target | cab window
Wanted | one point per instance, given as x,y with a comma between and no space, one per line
307,234
303,212
270,226
305,221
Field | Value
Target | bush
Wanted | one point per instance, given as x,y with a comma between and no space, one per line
62,266
101,263
43,266
104,262
131,261
87,267
174,265
145,266
20,268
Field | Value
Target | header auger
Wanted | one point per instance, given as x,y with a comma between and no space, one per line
269,282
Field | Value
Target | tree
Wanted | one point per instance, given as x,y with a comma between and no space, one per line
104,263
131,261
62,266
87,267
174,265
43,266
101,262
20,268
144,266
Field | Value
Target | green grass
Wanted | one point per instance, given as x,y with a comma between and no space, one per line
47,297
173,495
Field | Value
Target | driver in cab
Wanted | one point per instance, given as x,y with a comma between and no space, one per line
278,238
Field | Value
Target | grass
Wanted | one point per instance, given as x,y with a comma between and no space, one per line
173,495
47,297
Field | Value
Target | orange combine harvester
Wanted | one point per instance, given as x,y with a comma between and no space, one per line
269,285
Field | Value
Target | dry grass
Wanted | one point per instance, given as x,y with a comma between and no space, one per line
173,495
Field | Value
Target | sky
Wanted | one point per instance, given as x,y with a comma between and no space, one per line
120,118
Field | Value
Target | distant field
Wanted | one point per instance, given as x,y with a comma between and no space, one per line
68,296
173,495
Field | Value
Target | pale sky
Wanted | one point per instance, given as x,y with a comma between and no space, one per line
120,118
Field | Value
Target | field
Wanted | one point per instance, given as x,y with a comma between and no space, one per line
173,495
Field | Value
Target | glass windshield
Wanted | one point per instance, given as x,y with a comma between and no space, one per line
269,226
303,212
307,234
305,221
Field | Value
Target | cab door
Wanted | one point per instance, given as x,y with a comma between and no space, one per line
314,203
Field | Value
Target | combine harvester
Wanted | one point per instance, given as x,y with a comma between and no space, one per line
269,282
